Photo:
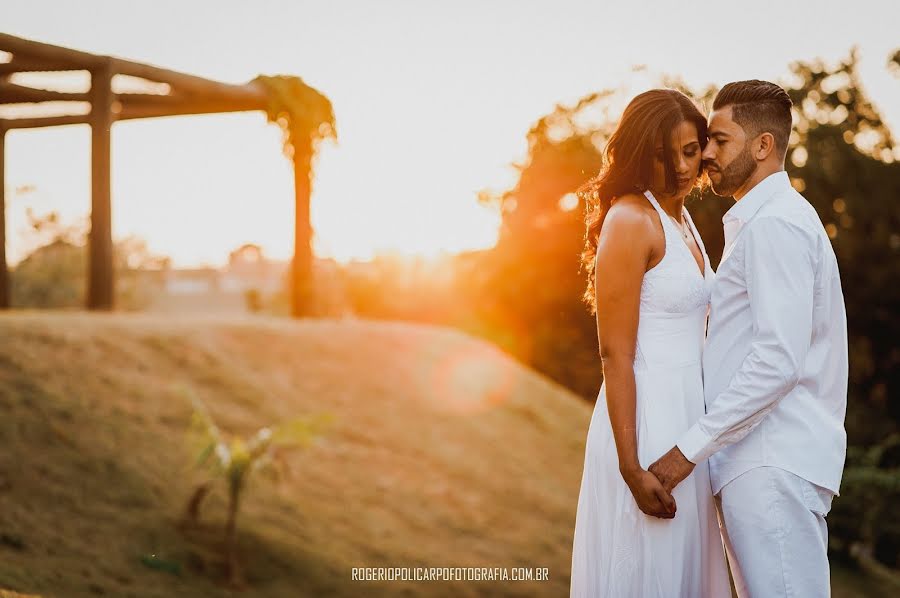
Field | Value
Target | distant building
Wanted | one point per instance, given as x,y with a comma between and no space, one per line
247,269
191,281
248,282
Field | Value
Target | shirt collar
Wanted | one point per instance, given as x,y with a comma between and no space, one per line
750,204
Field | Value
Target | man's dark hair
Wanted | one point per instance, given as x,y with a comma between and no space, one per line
759,107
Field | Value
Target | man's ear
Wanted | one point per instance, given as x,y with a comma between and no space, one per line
764,146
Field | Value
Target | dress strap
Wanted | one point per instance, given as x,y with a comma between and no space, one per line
664,218
652,200
697,237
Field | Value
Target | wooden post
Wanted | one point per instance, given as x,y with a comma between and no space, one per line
100,248
4,272
301,265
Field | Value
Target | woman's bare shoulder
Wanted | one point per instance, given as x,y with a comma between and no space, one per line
630,212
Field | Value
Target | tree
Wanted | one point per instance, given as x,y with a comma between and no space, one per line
54,274
526,290
841,157
842,160
306,117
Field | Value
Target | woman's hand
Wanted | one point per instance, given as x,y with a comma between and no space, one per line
649,494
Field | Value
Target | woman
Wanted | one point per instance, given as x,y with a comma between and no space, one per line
649,283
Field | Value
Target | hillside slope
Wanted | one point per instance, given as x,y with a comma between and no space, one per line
444,452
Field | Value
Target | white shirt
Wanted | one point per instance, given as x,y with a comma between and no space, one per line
775,360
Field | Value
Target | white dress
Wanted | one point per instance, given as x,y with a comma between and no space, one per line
618,551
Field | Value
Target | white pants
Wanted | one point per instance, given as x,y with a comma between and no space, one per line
773,525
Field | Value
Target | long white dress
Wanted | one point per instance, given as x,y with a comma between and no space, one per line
618,551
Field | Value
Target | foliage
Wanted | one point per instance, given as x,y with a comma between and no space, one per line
233,459
842,159
305,115
398,287
524,294
329,300
527,288
863,519
152,561
894,62
54,274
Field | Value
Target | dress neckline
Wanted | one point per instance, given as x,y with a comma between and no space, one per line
665,218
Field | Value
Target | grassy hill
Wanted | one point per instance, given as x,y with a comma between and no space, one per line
444,452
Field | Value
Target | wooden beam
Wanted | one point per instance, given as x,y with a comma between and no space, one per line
145,106
32,65
143,99
180,100
46,121
180,82
4,270
190,84
155,110
100,247
10,93
39,51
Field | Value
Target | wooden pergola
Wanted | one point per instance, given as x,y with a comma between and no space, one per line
187,94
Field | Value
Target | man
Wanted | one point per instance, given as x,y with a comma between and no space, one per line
775,360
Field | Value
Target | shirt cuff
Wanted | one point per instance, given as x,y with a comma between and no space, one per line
695,445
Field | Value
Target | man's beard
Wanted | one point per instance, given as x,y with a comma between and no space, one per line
735,174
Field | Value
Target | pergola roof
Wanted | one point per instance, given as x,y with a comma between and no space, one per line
187,94
184,94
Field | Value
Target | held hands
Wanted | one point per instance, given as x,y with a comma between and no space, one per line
649,494
672,468
652,489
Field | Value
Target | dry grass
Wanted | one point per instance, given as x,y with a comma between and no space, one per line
444,452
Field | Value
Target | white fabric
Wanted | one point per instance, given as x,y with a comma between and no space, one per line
775,533
619,551
775,361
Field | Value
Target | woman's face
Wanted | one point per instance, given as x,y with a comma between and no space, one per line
686,157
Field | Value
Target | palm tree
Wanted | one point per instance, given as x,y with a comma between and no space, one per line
306,118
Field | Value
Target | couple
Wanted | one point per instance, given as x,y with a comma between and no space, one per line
745,415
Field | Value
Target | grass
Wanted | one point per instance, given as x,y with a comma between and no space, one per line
443,452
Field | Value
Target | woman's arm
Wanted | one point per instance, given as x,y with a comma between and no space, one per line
624,251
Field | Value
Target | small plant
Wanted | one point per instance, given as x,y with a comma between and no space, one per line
233,459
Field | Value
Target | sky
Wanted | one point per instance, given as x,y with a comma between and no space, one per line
432,101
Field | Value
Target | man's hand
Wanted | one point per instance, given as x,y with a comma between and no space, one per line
672,468
649,494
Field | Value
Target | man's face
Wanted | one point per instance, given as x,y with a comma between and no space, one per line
727,157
